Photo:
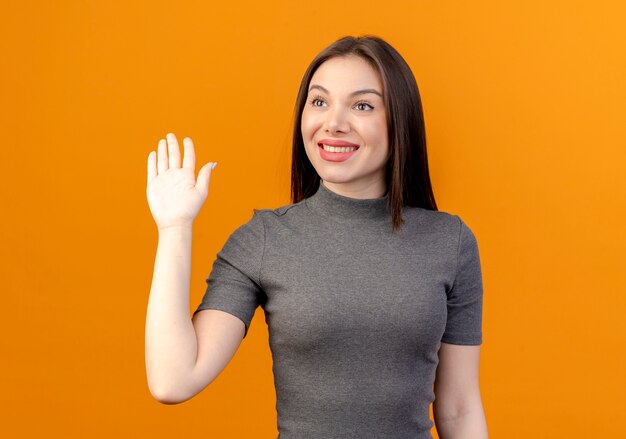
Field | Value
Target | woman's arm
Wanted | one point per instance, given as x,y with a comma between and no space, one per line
182,357
458,408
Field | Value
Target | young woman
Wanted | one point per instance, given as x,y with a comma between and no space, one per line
373,298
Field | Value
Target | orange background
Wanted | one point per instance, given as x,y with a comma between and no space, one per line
524,105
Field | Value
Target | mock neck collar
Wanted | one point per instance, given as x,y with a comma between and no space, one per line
330,204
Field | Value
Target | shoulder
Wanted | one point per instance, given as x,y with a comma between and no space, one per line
436,221
443,228
253,231
290,215
286,210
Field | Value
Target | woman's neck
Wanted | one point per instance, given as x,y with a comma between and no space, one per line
376,189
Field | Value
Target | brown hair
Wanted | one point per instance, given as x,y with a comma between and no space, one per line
406,171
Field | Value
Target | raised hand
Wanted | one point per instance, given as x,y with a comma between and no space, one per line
174,195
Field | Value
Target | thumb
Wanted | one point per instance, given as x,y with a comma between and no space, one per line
204,176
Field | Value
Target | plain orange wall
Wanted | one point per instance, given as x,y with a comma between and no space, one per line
524,105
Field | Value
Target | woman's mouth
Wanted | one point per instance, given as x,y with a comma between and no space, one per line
339,148
336,151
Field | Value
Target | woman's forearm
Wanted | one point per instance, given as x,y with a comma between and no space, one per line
469,425
171,344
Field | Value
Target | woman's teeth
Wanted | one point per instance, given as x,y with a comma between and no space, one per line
339,148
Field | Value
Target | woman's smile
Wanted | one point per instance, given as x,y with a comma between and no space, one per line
336,150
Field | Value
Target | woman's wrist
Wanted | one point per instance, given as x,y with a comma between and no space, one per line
176,230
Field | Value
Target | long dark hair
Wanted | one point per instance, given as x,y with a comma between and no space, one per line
406,171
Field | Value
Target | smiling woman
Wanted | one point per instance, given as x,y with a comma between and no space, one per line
384,85
372,297
344,127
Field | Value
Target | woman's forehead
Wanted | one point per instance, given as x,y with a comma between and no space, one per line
345,74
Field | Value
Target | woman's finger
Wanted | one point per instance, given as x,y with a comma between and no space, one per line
152,166
173,150
162,164
204,176
189,159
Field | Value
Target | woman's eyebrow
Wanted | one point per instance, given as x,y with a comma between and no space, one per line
319,87
366,91
354,93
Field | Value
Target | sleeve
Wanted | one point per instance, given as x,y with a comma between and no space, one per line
234,285
465,298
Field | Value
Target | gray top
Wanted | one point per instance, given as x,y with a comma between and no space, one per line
355,313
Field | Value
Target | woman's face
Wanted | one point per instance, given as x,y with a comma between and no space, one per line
344,127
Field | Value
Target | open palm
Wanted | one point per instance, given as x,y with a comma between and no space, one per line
174,195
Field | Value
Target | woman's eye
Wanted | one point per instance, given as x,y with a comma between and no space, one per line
317,102
363,106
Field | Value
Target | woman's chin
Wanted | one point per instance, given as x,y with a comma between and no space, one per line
333,178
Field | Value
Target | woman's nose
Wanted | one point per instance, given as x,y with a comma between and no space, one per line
337,121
